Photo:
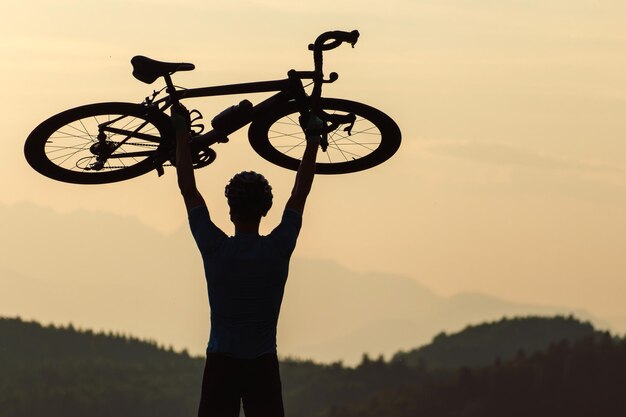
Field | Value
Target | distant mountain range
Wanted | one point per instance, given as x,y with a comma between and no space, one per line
103,271
352,313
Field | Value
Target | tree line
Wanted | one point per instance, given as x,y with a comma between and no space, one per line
62,371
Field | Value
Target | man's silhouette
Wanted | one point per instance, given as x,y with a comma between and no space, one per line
246,276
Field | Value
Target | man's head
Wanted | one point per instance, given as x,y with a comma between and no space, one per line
249,196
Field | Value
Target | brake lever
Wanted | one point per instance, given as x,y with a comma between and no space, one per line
349,119
348,129
333,126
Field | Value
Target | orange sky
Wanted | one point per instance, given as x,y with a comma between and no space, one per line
512,175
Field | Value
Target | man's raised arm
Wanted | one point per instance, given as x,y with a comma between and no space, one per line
184,166
306,170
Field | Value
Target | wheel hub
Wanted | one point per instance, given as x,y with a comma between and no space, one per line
102,148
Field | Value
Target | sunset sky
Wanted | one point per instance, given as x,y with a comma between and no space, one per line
511,177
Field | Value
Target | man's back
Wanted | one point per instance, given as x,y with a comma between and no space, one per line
246,276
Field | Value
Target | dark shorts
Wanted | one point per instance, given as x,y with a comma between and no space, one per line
254,382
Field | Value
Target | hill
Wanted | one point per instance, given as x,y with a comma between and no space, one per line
62,371
478,345
580,379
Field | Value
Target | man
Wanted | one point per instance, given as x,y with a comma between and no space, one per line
246,276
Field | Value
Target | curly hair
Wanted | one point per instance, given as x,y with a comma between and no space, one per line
249,196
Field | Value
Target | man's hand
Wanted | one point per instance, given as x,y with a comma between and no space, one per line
181,118
184,165
313,129
313,126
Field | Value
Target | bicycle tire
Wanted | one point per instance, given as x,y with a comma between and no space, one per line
276,136
62,147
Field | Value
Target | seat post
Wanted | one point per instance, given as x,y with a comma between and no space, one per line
171,90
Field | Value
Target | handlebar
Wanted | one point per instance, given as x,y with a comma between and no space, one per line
325,42
336,38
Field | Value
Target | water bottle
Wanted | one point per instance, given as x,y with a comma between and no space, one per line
233,117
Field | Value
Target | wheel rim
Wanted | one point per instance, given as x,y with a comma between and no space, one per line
286,136
375,137
75,146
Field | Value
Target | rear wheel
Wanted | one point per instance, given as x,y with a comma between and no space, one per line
98,143
374,138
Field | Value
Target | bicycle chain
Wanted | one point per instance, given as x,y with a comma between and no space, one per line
124,167
146,145
167,164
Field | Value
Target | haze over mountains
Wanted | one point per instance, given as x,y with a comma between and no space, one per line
108,272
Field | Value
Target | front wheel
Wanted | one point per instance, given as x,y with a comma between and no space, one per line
374,138
98,143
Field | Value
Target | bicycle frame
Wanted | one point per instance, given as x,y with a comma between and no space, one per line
288,89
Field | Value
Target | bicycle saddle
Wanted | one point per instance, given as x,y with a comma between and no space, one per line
148,70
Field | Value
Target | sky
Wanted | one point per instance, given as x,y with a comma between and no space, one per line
511,177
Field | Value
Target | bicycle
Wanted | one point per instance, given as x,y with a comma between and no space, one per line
115,141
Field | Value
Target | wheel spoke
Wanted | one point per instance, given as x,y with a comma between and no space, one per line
295,146
83,132
70,136
69,156
282,135
355,155
126,155
62,148
70,146
332,138
374,137
345,145
353,142
293,122
86,131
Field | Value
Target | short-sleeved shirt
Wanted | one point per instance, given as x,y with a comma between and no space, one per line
246,276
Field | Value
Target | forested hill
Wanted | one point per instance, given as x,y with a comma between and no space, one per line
23,342
65,372
479,345
60,371
580,379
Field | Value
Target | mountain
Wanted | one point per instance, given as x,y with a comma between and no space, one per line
102,271
378,313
